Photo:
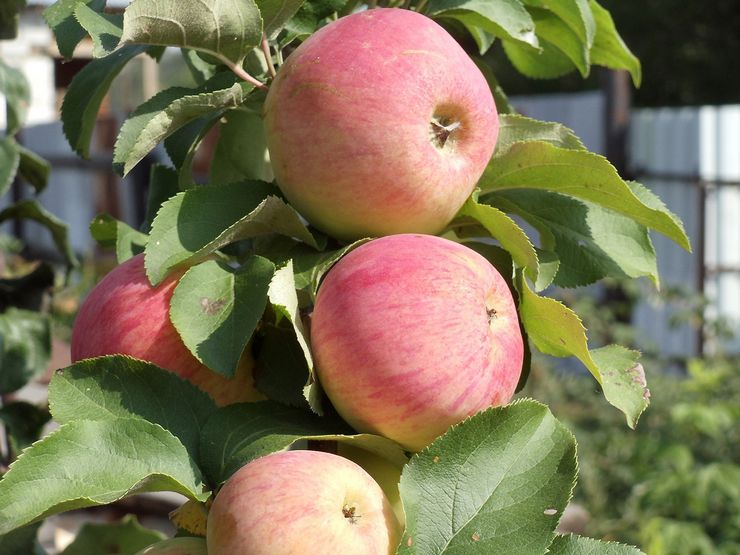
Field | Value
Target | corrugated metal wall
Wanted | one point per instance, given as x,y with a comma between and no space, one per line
691,158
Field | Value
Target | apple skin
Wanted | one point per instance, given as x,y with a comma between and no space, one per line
350,133
296,502
412,334
124,314
177,546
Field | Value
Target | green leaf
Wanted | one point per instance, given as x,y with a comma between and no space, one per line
556,330
575,13
548,62
514,128
32,210
549,266
10,158
651,200
227,29
192,225
281,370
24,423
88,463
25,347
310,16
126,537
180,545
216,309
309,265
21,541
14,86
554,31
28,291
115,234
237,434
105,29
163,185
119,387
507,19
184,143
609,50
580,174
9,17
503,106
505,230
68,32
33,169
496,483
623,380
591,242
85,94
284,301
241,152
168,111
577,545
276,13
200,70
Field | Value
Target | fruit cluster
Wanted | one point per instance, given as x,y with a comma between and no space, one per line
378,125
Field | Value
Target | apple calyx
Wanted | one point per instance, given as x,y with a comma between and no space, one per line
491,314
349,512
442,128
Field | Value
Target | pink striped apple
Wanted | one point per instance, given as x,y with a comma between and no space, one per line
125,315
300,502
379,123
412,334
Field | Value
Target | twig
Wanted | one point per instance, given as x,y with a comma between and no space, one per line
240,72
268,56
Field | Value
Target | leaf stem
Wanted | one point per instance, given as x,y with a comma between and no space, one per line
240,72
268,56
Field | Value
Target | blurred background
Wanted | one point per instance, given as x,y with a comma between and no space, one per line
673,485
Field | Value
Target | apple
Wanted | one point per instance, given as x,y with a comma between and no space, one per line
299,502
379,123
124,314
177,546
412,334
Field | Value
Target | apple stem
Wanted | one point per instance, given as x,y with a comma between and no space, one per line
268,56
421,5
406,5
240,72
372,4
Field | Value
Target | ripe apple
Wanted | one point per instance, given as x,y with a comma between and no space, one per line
379,123
299,502
412,334
125,315
177,546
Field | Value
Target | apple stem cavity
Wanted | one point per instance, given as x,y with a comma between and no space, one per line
442,130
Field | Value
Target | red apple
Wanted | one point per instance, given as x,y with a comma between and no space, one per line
125,315
301,502
379,123
412,334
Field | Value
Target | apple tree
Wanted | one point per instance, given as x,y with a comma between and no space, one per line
238,261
